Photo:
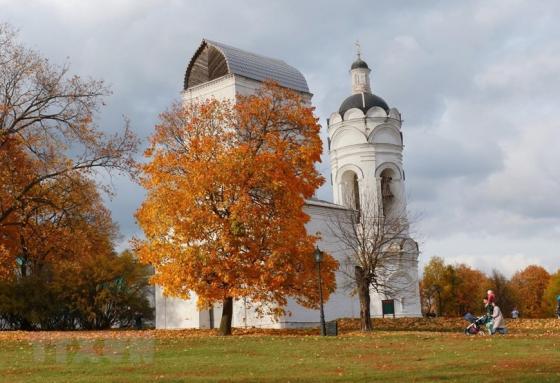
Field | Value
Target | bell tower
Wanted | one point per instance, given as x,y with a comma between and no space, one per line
366,153
366,148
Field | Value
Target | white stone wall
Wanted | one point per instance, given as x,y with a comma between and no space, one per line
340,304
174,313
226,88
222,88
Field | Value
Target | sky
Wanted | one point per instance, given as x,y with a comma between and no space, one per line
477,83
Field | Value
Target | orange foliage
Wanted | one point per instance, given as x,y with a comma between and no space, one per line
551,294
226,187
52,221
48,141
49,148
5,263
471,288
529,285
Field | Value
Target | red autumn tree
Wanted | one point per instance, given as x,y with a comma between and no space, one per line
224,213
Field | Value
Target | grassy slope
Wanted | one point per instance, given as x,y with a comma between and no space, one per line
382,356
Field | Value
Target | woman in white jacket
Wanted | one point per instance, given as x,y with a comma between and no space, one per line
498,323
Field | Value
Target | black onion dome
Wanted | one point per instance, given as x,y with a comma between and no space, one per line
362,101
359,63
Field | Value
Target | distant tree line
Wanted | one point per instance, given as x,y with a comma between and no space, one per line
453,290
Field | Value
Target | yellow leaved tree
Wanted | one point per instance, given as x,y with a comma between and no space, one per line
226,185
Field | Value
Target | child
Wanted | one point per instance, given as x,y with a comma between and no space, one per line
491,297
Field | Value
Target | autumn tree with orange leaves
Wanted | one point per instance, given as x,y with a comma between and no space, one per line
49,142
471,287
530,285
53,224
452,290
551,296
226,187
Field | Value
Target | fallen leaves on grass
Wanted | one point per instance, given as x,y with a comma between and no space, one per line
533,327
521,326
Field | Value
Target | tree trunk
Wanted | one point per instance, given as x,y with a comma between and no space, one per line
25,325
227,315
363,294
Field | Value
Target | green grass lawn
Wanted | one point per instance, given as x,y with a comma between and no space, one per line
381,356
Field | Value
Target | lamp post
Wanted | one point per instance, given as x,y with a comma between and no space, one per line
318,259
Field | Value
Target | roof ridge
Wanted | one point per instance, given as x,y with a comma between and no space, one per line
220,44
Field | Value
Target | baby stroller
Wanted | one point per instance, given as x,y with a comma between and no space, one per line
475,323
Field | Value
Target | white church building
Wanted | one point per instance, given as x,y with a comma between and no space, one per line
365,144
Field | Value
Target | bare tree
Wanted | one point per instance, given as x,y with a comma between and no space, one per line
377,247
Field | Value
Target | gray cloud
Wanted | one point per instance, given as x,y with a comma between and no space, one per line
477,83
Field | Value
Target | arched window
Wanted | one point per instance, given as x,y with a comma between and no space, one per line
356,190
351,190
387,193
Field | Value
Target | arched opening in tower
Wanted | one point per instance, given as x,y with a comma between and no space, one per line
351,190
387,195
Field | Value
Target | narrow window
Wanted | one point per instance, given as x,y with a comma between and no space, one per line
356,193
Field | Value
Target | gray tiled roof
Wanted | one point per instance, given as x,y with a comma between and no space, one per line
256,67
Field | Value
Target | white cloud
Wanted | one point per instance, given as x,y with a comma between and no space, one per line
504,254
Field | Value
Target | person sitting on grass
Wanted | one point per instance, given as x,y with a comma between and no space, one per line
498,323
515,313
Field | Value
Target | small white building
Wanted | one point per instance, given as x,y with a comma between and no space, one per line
366,150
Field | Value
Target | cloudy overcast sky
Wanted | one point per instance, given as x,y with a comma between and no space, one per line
477,83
